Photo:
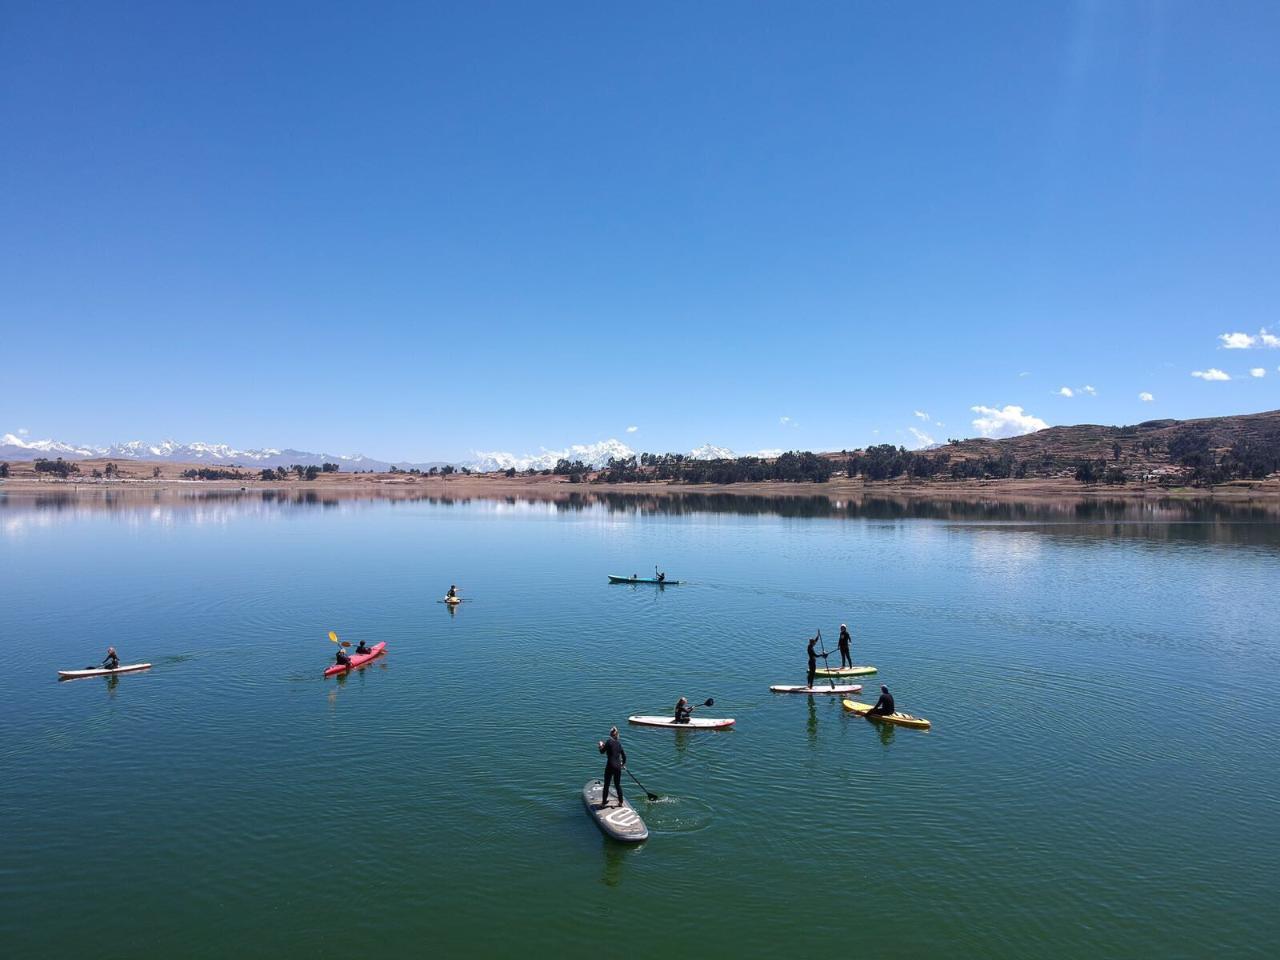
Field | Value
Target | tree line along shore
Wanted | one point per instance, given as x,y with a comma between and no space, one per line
1169,454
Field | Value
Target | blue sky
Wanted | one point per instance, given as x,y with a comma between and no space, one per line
417,230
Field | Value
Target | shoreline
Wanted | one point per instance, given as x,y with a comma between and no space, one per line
554,487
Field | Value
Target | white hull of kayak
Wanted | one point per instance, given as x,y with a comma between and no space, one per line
695,723
101,671
824,688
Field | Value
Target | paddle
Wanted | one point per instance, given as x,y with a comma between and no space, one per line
651,796
825,664
342,643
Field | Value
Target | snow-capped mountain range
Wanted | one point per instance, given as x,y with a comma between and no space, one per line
13,447
595,455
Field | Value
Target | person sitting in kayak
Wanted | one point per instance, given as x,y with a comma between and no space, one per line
453,591
683,710
112,660
362,648
662,577
343,658
884,706
845,659
813,660
615,760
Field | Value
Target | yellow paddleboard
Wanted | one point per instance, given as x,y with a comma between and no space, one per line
902,719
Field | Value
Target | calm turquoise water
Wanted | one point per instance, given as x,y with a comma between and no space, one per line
1101,778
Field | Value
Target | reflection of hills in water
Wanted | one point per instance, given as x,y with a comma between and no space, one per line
1154,518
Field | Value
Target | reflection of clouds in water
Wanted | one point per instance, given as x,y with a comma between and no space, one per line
1005,554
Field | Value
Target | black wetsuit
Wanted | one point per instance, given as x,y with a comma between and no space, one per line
884,705
111,662
683,713
615,757
342,658
362,649
813,661
845,659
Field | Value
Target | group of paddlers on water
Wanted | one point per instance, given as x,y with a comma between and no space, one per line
616,756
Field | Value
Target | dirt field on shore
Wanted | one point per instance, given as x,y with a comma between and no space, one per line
140,475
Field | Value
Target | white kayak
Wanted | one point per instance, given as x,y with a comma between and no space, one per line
620,822
824,688
101,671
695,723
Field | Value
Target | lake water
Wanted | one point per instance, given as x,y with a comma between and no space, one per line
1101,779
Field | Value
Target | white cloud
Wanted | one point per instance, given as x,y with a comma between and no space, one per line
23,431
1025,373
1008,421
1146,397
921,414
776,452
1213,373
1258,372
1066,392
1091,391
922,439
632,429
1247,341
787,422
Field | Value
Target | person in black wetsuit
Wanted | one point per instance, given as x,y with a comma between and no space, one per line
813,660
453,591
343,659
363,648
845,659
884,705
662,577
683,710
615,760
112,660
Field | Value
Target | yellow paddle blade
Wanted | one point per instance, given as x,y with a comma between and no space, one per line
333,636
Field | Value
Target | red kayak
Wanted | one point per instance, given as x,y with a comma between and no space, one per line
359,660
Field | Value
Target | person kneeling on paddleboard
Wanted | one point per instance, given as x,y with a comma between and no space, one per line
813,660
683,710
845,659
615,760
884,706
453,591
112,661
363,648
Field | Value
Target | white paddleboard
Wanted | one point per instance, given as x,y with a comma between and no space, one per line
824,688
101,671
696,723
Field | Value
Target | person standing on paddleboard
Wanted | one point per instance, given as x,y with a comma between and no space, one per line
112,660
845,659
884,706
615,760
813,660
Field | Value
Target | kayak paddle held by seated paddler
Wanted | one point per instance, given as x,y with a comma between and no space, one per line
110,666
659,578
885,710
344,660
682,718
